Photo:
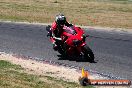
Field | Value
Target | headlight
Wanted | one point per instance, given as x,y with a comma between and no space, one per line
76,42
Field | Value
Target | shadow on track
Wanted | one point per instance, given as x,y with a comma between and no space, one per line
74,58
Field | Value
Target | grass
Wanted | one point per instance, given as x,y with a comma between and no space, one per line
13,76
109,13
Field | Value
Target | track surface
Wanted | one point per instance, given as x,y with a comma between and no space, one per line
113,50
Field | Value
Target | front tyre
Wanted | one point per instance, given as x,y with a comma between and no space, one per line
88,54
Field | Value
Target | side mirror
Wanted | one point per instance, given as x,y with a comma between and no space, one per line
87,35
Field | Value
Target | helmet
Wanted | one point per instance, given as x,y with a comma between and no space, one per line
60,19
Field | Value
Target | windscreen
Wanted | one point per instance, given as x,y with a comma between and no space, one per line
70,30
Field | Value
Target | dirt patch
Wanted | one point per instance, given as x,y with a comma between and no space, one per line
40,68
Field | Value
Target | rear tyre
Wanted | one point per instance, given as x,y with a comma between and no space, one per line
88,54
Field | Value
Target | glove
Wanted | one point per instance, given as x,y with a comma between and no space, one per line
48,34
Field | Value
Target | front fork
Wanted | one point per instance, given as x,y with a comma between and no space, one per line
81,53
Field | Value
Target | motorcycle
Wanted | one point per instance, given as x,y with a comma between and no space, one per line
72,42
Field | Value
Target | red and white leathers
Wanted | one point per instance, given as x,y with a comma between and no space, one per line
57,30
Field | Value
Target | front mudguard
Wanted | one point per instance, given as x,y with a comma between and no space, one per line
83,44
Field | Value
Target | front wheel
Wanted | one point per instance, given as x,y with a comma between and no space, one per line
88,54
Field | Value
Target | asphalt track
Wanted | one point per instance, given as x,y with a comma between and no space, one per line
113,50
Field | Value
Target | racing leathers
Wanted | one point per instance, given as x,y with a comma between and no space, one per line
57,30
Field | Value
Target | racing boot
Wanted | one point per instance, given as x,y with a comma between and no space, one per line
55,47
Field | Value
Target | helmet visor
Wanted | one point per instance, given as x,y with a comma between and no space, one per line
62,22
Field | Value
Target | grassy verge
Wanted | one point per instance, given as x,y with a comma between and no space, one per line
110,13
13,76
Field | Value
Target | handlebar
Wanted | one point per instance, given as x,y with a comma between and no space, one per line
56,38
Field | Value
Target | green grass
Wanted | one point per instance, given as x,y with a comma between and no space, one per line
109,13
8,65
13,76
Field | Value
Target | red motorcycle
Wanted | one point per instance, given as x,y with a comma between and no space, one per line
72,43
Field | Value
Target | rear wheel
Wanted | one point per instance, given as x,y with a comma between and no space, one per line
88,54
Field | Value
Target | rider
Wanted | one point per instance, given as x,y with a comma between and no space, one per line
57,28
